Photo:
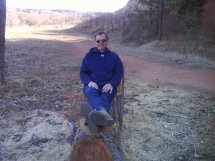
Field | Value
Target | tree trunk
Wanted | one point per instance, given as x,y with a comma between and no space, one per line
103,146
151,27
161,20
2,38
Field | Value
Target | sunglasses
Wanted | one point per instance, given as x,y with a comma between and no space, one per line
99,41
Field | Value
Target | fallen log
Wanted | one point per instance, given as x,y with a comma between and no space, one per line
104,146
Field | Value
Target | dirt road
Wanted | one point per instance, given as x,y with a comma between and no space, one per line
169,74
163,119
150,71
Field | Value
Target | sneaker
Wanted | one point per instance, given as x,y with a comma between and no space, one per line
101,118
85,110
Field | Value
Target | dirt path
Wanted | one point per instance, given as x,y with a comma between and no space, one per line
169,74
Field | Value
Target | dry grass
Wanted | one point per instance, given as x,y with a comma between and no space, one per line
169,52
167,123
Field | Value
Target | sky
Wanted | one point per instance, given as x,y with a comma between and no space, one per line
75,5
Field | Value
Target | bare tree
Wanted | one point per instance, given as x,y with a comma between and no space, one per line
162,8
155,11
2,38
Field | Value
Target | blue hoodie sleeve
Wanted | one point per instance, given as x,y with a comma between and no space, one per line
118,72
84,72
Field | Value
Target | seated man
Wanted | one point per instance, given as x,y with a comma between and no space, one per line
101,72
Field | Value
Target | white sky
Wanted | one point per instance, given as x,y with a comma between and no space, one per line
76,5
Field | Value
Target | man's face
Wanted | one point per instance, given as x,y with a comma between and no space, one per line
101,42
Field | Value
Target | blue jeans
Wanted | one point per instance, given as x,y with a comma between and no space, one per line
98,99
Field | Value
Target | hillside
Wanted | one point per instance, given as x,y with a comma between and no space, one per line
143,21
185,27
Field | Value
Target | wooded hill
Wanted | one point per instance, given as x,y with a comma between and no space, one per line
185,23
145,20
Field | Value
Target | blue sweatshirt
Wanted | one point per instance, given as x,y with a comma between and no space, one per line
101,68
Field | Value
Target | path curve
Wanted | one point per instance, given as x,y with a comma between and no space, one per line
165,73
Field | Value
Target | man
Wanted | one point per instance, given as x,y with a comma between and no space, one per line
101,72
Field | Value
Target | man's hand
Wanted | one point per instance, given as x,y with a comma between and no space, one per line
93,85
107,87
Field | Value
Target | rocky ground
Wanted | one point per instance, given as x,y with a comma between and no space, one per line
162,122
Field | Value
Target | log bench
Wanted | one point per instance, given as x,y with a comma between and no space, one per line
103,146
